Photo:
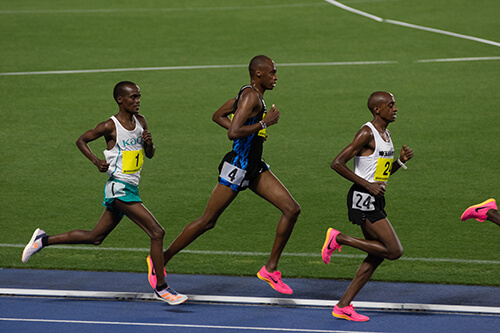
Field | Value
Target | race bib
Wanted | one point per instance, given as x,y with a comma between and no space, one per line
263,132
232,174
132,161
363,201
383,170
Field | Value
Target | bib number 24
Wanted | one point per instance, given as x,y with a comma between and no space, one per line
363,201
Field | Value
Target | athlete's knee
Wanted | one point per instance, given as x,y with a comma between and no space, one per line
209,225
157,232
92,237
395,254
203,224
97,240
293,210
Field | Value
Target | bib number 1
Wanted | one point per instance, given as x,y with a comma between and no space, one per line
132,161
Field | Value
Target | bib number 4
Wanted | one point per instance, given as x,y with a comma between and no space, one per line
232,174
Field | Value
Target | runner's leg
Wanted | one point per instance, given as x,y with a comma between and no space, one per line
271,189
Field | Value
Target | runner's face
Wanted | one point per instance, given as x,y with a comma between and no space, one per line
131,99
388,109
269,77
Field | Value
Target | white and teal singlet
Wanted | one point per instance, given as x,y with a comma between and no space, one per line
127,156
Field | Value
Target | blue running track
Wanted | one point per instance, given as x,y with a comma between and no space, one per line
74,301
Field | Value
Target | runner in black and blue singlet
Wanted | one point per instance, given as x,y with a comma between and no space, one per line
246,153
246,119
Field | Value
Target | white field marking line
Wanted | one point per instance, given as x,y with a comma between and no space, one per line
355,11
156,10
368,1
443,32
413,26
459,59
167,68
138,69
241,253
251,300
243,328
109,70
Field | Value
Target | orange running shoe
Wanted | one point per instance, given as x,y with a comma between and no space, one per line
170,296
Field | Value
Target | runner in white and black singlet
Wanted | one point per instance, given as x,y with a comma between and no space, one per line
373,154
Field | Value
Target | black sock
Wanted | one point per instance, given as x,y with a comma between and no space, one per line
44,241
163,286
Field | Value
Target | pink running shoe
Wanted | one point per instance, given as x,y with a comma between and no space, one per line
152,273
479,211
274,279
348,313
330,245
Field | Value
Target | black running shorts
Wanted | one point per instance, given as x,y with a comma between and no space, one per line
361,205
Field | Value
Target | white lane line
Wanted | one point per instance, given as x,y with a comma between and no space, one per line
241,253
218,327
251,300
413,26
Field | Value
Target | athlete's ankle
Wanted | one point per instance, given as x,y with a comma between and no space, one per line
45,240
162,286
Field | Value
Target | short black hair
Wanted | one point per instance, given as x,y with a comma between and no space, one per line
378,98
256,62
120,88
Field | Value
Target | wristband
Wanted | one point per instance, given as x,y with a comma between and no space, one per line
401,164
263,124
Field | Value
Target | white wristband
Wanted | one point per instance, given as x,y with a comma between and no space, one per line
263,124
401,164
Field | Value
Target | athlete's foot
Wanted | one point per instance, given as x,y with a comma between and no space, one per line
348,313
479,211
170,296
330,245
274,280
152,273
34,245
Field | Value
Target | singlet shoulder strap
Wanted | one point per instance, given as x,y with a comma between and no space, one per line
235,105
119,125
370,125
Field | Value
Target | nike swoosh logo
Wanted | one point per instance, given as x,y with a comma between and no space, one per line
275,281
331,240
477,209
